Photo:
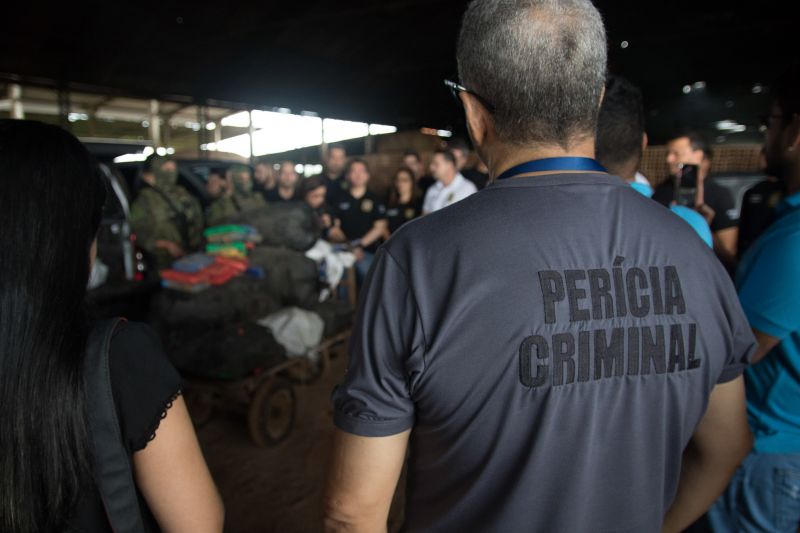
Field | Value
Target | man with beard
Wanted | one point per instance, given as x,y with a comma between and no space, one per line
333,174
264,177
712,201
288,180
764,495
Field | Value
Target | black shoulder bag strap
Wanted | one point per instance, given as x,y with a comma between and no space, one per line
112,467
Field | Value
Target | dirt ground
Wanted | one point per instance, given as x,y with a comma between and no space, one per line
277,489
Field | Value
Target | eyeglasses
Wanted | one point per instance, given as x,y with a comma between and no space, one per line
456,88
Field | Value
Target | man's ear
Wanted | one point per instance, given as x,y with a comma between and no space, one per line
93,254
794,133
645,141
478,120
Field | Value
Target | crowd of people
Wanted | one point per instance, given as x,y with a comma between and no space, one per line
169,221
617,426
549,348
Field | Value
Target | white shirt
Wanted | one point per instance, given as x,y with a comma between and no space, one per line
640,178
439,196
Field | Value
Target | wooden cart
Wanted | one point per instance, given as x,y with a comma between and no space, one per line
267,397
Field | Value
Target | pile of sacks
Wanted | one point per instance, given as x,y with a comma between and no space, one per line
250,301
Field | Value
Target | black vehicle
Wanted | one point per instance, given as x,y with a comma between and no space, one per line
117,286
738,183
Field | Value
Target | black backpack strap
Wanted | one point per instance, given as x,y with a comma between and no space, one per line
112,467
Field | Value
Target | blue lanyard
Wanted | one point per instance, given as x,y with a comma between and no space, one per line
554,164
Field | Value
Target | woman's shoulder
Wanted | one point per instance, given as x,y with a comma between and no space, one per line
143,381
133,332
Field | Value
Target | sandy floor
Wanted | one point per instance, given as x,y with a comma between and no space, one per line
276,489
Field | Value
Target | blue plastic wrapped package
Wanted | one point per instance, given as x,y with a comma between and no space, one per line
255,272
185,287
193,263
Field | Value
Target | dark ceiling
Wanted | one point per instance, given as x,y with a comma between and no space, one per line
374,60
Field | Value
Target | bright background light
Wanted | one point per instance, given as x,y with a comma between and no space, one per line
278,132
379,129
342,130
129,158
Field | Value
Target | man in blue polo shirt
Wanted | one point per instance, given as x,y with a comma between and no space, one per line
764,495
567,353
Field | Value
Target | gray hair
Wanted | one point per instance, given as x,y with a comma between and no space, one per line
540,63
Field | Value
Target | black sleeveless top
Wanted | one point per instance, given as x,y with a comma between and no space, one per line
144,384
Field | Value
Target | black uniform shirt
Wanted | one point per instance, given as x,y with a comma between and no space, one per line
333,187
401,213
359,215
273,196
478,178
716,197
425,183
758,212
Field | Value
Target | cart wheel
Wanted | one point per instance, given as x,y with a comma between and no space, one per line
200,406
272,412
305,371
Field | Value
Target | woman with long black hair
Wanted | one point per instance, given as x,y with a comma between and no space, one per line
51,197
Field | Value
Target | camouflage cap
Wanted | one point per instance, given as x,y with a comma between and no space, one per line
165,178
154,162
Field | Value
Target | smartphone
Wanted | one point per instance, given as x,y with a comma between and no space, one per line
686,186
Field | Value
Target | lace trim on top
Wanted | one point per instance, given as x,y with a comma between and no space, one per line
154,426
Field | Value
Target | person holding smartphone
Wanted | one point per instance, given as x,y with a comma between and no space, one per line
713,201
621,141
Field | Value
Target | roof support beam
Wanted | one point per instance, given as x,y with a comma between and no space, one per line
64,107
155,123
94,109
250,131
15,96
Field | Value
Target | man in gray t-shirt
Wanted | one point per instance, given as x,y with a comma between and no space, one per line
558,352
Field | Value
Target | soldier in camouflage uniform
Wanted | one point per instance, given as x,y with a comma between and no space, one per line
167,220
241,199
